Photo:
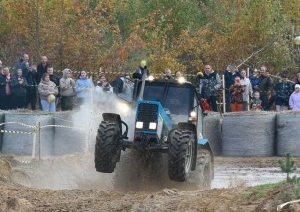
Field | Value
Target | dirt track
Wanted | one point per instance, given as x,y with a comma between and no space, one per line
79,188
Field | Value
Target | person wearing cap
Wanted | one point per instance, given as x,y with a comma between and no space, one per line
283,90
139,72
294,100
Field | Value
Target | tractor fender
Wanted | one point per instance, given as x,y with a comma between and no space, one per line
111,117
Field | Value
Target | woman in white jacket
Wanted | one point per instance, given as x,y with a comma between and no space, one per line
248,89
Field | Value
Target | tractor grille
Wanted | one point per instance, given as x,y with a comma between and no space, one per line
147,112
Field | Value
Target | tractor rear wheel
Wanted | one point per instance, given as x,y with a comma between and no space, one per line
181,153
107,147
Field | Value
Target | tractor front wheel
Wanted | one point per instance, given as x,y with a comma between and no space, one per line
181,153
107,147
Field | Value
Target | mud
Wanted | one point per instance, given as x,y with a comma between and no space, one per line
70,183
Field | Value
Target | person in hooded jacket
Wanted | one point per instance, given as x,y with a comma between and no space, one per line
67,90
46,88
83,87
294,100
18,90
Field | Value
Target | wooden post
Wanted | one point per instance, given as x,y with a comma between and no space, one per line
224,100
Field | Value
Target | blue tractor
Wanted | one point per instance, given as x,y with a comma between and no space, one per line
168,120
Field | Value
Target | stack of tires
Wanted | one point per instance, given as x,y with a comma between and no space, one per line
212,131
69,133
248,134
22,137
288,133
2,120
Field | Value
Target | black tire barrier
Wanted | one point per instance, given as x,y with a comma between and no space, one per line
68,138
20,129
212,131
2,120
248,134
288,133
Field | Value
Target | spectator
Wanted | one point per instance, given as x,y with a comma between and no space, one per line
254,79
5,90
236,91
255,104
294,101
167,76
31,96
67,90
83,87
141,70
1,69
283,90
210,83
297,81
54,78
42,68
46,88
18,90
265,85
248,89
22,62
103,85
229,74
178,75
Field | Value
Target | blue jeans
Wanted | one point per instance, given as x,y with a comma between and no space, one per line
46,106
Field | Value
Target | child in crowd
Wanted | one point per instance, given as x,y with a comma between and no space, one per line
236,91
256,102
294,101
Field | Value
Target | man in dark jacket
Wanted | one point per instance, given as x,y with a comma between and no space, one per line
265,85
31,96
210,83
42,68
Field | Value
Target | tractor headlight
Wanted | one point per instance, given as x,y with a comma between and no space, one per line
123,107
151,78
139,125
152,126
181,80
193,116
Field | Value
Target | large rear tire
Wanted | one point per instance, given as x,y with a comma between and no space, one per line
181,153
107,147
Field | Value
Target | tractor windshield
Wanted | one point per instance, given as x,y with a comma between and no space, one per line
174,98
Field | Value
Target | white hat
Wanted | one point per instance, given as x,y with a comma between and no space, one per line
297,86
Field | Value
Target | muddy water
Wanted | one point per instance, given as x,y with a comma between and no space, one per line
249,171
77,172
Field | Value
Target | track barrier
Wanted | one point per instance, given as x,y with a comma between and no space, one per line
39,134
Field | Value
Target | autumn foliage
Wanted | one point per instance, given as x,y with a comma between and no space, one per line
178,34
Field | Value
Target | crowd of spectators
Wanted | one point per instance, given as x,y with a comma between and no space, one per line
27,85
256,92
